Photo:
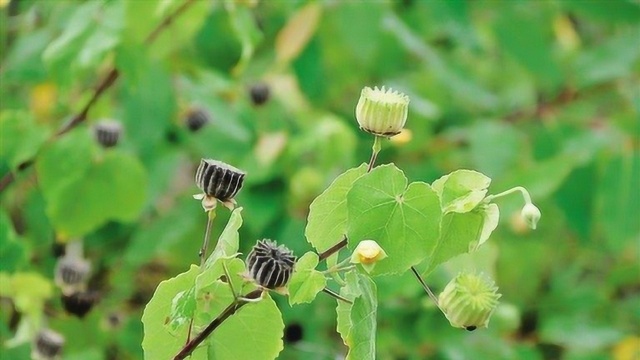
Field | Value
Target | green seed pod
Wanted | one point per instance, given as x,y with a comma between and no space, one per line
270,265
108,132
382,112
219,180
469,300
48,345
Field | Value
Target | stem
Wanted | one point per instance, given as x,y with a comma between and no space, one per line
336,295
215,323
426,287
211,214
332,250
74,249
525,194
111,77
375,149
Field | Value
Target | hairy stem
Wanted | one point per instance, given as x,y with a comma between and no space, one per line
215,323
111,77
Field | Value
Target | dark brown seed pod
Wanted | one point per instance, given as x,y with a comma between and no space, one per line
80,303
72,271
260,93
107,133
219,180
270,265
48,345
197,118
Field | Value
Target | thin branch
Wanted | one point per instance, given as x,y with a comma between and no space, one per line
426,288
215,323
111,77
336,295
332,250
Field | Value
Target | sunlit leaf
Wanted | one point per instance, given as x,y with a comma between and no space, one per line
306,282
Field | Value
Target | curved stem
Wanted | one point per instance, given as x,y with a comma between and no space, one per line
215,323
525,194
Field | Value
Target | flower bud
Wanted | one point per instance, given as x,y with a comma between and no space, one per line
71,273
382,112
468,301
270,265
197,118
531,215
367,253
80,303
219,180
48,345
107,132
260,93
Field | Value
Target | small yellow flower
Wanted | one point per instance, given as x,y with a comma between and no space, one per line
367,253
382,112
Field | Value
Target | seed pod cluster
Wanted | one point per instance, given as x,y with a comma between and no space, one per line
71,272
108,132
270,265
197,118
260,93
48,345
80,303
219,180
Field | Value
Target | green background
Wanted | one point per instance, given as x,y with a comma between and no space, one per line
543,94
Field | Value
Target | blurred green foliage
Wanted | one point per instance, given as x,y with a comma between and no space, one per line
543,94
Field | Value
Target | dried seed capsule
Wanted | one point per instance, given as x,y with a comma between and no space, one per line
469,300
80,303
260,93
48,345
270,265
107,132
71,272
197,118
219,180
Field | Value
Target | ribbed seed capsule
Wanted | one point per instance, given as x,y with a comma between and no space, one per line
71,271
197,118
80,303
468,301
260,93
270,265
48,345
219,180
108,132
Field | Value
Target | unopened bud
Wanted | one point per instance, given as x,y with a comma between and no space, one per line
382,112
531,215
469,300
